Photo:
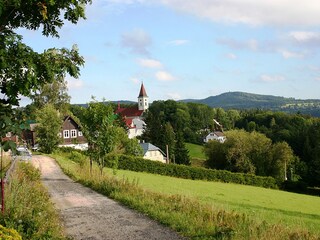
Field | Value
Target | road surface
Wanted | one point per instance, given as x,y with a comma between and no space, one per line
88,215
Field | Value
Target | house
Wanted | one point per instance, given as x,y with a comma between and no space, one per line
135,127
133,116
152,152
216,135
72,135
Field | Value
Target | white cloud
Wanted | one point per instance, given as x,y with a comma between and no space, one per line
317,79
164,76
137,40
310,39
271,78
178,42
303,36
252,12
290,54
250,44
73,83
231,56
150,63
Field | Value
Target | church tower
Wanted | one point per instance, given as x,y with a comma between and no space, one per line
143,100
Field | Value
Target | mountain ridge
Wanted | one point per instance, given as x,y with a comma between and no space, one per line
244,100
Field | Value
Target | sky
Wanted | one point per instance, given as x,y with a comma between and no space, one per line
183,49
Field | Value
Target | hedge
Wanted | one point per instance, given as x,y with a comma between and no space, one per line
139,164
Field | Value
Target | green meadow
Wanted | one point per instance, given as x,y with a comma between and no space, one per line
196,154
205,210
273,206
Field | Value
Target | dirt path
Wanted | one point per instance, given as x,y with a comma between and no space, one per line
89,215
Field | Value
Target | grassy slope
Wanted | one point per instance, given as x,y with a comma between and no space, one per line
265,204
196,154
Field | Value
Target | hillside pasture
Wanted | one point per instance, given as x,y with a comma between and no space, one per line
273,206
196,154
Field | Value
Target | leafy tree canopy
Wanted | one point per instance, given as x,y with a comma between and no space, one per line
22,70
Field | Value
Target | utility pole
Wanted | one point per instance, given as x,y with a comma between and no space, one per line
167,151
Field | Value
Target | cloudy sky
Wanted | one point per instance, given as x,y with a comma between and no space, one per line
193,48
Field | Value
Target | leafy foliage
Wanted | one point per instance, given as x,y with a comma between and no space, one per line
23,70
251,153
101,129
48,128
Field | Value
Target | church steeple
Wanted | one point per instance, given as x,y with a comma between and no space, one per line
143,100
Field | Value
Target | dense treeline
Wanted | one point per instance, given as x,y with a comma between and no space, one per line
302,133
293,135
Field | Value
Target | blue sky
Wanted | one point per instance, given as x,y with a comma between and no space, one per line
193,48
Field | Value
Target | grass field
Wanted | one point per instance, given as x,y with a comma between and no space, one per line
196,154
206,210
302,211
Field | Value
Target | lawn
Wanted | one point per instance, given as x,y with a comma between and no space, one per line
273,206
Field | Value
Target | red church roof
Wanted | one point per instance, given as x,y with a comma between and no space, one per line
143,92
130,112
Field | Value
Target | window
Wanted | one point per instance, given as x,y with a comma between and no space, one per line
66,134
60,135
73,133
80,134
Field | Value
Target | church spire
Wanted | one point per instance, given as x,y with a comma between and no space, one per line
143,101
143,92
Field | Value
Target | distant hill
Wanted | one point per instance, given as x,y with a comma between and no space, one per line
242,100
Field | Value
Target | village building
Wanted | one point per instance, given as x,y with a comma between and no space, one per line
216,136
152,152
72,135
133,116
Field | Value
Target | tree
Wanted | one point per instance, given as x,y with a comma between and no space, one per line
181,152
169,136
55,93
102,132
48,129
23,70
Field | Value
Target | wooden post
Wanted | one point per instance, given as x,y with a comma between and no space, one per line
2,183
167,150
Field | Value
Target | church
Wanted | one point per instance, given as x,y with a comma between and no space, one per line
133,116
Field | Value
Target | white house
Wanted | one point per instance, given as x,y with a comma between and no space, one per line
136,127
217,136
152,152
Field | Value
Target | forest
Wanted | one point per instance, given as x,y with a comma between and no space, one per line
262,142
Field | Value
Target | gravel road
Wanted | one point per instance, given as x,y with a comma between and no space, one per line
89,215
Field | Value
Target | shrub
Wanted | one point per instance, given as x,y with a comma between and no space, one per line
197,173
9,234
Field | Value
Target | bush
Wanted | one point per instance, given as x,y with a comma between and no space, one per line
9,234
197,173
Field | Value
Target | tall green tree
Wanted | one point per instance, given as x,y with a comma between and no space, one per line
169,140
23,70
55,93
102,132
48,128
181,152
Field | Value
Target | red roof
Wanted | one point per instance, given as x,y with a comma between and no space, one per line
130,112
143,92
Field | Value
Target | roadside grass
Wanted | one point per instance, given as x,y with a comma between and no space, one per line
274,206
28,208
193,218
